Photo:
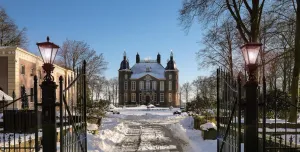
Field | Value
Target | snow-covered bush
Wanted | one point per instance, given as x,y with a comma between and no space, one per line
207,126
92,128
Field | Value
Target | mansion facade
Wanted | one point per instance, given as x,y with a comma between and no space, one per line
148,82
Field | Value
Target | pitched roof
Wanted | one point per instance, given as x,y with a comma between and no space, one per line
151,68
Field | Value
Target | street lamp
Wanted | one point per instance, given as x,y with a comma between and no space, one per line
250,52
48,52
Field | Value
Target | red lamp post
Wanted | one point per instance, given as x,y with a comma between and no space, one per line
250,52
48,52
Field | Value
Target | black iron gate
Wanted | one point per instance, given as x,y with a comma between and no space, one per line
228,112
275,133
21,130
72,116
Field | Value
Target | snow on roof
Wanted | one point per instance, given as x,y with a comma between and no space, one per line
154,69
6,97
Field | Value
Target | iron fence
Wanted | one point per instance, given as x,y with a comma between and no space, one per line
275,133
73,138
21,130
228,112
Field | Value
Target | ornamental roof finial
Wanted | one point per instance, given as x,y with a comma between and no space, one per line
124,54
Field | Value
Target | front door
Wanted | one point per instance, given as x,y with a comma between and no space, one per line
147,100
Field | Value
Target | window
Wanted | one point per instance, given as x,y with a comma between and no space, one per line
22,69
133,97
161,86
154,97
125,85
170,76
31,72
170,85
126,76
133,87
161,97
147,85
153,85
141,85
141,97
125,97
170,97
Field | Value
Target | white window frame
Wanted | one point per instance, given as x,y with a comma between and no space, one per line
133,97
170,85
170,97
125,97
133,85
147,85
153,85
161,86
161,97
125,85
141,85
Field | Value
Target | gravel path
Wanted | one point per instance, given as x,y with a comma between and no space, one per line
146,137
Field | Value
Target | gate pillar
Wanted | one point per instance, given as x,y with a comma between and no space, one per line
251,117
49,116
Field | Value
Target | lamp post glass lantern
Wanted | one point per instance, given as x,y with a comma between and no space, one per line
48,52
250,53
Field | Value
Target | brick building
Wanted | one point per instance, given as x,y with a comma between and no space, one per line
148,82
18,67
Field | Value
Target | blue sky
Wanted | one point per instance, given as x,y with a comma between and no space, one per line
110,26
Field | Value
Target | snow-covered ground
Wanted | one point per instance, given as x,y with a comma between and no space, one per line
142,129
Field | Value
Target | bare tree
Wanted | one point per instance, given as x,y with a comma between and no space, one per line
221,48
10,34
74,52
187,87
296,70
247,16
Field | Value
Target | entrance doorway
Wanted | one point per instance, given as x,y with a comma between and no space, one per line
147,100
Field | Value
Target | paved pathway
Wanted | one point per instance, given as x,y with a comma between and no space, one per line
146,137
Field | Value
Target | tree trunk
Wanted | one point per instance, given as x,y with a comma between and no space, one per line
255,21
295,78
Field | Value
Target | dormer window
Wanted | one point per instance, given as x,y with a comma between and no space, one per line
148,69
126,76
170,76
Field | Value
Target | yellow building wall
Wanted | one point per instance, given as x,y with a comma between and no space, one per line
15,56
